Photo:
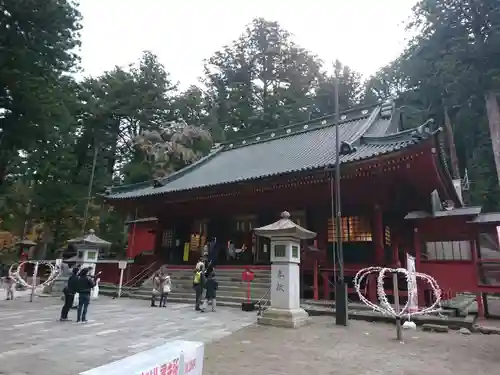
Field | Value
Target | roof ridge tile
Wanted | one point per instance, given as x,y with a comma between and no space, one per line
350,115
420,132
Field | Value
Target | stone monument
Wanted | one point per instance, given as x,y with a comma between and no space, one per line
285,310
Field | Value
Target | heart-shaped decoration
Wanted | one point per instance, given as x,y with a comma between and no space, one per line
385,307
16,268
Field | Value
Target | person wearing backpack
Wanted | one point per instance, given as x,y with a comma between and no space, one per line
198,282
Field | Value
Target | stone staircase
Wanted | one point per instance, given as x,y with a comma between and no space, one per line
232,290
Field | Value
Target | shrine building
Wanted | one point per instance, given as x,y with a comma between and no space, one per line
397,197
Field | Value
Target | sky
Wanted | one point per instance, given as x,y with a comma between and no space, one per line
364,34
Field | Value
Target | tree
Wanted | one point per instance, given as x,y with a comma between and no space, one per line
350,89
261,81
446,72
194,106
37,48
177,146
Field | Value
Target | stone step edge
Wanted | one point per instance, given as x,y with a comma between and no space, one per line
220,277
186,294
353,314
222,289
191,295
231,286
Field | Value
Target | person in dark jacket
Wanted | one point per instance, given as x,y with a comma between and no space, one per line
212,252
69,294
211,285
85,285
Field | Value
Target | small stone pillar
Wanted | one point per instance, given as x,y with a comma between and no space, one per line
285,310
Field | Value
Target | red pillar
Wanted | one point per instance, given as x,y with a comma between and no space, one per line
475,260
378,234
371,288
395,253
23,258
326,285
315,281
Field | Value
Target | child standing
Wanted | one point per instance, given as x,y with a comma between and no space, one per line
9,284
166,288
156,288
211,285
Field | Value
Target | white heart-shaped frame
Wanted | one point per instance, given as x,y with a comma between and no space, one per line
15,269
385,307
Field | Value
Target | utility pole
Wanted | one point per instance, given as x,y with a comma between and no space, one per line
341,314
89,194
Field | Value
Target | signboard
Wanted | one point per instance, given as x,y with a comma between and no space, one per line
174,358
122,264
185,255
247,276
412,284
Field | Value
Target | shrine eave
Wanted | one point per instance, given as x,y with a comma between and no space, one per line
491,218
462,211
142,220
370,133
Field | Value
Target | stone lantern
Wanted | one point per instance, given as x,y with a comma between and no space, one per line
24,250
87,254
285,235
87,249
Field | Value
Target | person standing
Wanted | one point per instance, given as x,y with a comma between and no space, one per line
165,289
200,265
69,291
156,288
198,282
85,285
212,251
9,287
211,286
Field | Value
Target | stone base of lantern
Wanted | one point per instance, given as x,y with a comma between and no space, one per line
286,318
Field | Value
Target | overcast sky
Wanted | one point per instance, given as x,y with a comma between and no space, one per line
364,34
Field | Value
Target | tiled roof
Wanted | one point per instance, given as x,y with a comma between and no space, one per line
487,218
461,211
365,133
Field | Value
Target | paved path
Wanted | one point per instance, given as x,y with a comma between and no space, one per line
32,341
361,349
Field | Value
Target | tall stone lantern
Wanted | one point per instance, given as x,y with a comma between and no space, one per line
285,310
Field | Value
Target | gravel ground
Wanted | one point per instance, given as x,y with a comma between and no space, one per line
362,348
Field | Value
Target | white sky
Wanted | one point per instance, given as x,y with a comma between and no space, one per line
364,34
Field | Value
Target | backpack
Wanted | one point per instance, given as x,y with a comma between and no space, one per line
197,277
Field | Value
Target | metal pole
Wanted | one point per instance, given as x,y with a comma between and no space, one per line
399,332
89,195
341,314
332,198
120,283
33,282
